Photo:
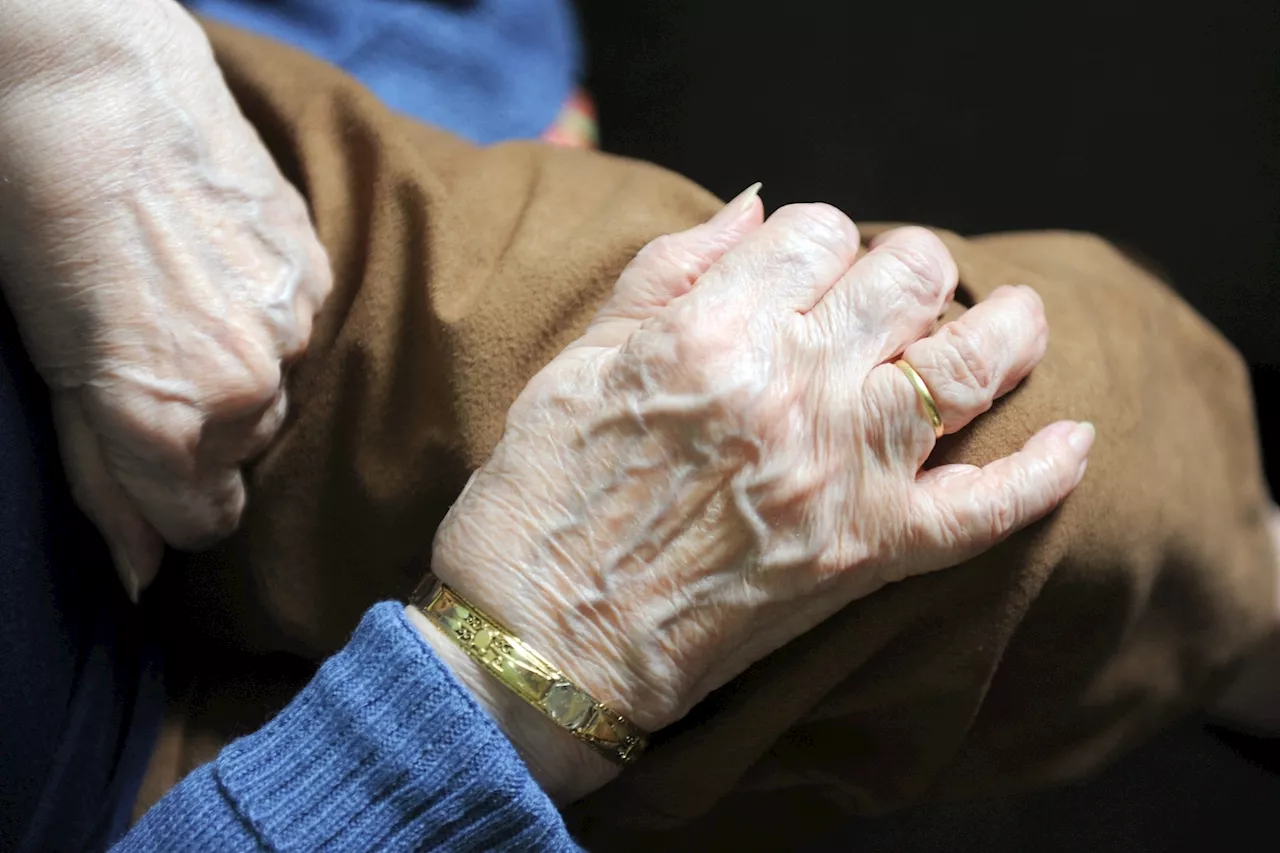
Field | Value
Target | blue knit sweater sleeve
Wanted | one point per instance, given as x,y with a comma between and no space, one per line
384,750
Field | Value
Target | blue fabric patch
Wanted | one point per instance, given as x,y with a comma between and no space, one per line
488,70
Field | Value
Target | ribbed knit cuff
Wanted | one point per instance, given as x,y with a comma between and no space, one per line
386,750
193,816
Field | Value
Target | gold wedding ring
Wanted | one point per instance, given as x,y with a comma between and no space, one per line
922,391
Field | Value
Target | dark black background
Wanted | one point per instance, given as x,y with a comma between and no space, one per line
1158,130
1155,125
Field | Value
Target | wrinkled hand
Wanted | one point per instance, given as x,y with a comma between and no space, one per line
160,267
729,455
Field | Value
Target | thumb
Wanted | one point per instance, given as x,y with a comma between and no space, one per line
669,266
136,548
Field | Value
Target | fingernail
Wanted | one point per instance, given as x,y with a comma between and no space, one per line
742,203
1081,438
128,577
1080,473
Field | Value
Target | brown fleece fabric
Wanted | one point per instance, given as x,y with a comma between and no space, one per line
461,270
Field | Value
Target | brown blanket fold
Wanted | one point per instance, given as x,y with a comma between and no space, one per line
460,271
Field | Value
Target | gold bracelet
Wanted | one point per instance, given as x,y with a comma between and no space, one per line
528,675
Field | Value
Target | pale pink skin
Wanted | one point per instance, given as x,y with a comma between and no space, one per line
729,455
161,269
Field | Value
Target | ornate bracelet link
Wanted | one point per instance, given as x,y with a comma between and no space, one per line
529,675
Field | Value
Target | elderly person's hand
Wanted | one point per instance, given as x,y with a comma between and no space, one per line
729,455
160,268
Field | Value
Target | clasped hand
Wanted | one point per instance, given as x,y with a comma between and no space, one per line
729,455
161,269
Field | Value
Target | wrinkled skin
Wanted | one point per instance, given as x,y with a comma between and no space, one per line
729,455
161,270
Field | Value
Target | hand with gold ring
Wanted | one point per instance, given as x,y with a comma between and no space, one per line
926,397
729,455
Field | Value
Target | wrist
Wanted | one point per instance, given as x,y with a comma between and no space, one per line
565,767
588,640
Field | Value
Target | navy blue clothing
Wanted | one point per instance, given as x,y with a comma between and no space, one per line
80,687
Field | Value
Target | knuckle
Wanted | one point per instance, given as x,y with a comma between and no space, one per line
683,350
1033,322
983,521
226,517
965,358
1027,302
1036,319
1031,296
146,431
291,339
271,422
702,341
665,256
317,284
296,344
920,262
173,443
952,527
1005,510
320,280
248,440
246,382
820,225
658,248
1017,324
218,519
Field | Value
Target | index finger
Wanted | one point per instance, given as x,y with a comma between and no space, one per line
788,263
